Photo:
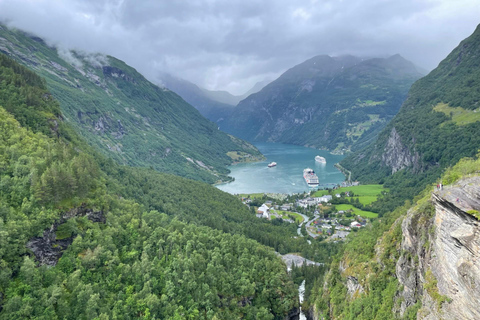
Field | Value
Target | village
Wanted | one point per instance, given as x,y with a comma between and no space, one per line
324,215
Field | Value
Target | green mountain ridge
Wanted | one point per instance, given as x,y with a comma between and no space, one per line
333,103
125,116
430,132
416,262
210,108
79,238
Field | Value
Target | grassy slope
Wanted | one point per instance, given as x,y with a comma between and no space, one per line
337,109
125,116
439,140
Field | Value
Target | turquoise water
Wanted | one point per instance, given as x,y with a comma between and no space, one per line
287,176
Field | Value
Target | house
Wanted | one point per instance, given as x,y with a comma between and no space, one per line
355,224
285,207
302,203
338,195
325,198
340,235
264,211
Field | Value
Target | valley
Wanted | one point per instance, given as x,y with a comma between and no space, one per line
120,200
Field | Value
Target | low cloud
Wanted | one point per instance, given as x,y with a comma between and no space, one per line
230,45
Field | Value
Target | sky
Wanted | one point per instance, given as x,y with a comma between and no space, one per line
232,44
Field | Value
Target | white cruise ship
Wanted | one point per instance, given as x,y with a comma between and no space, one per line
320,159
310,177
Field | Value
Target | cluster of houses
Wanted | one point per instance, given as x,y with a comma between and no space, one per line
327,225
304,203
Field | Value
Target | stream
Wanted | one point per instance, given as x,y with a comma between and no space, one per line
301,293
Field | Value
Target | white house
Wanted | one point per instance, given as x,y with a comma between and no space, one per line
325,198
264,210
355,224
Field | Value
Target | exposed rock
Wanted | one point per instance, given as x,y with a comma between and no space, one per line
102,124
353,287
298,261
293,314
397,156
447,244
114,72
121,131
47,249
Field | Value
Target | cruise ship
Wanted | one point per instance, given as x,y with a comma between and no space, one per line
272,164
310,177
320,159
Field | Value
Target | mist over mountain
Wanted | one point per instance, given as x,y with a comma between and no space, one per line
124,115
333,103
437,125
213,105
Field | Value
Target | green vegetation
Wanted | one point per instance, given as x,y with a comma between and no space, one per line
371,256
459,115
131,262
361,197
437,126
291,215
367,190
356,211
329,103
125,116
430,286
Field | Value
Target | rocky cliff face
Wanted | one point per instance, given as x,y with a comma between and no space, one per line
48,249
440,264
397,156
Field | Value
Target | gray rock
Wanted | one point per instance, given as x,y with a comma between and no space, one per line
448,244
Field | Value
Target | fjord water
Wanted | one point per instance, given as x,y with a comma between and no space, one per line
287,176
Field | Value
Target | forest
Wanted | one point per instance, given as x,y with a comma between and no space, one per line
75,245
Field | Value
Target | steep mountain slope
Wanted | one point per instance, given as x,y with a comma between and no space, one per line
325,102
419,262
437,125
209,107
213,105
73,246
124,115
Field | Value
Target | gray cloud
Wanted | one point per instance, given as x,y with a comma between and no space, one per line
230,45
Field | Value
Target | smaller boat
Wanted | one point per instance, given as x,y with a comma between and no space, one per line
320,159
272,164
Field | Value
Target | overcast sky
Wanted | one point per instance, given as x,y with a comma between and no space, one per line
232,44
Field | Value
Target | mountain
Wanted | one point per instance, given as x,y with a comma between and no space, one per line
213,105
202,99
437,125
76,244
124,115
419,260
325,102
228,98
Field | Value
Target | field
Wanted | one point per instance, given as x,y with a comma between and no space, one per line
356,211
292,215
459,115
251,195
368,190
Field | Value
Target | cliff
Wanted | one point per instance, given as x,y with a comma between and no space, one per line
436,126
439,266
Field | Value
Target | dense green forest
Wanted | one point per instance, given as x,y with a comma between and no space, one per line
126,117
73,246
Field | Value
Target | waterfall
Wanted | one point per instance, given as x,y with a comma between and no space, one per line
301,293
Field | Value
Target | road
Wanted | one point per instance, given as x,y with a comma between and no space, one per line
305,218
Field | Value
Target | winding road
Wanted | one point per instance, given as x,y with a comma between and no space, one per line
305,218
